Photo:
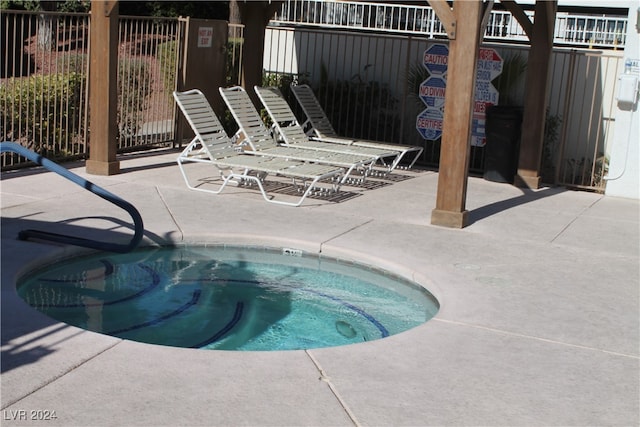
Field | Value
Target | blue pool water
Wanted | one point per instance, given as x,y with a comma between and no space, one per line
228,298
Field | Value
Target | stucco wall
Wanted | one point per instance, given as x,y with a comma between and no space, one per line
623,179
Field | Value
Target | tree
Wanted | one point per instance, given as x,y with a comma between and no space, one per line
234,12
46,31
194,9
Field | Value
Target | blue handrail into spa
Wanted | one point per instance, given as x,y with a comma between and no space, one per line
95,189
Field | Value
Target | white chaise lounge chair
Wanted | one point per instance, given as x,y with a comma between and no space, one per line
292,133
260,140
323,130
212,145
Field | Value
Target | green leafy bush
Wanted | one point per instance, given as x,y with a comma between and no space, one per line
360,109
283,81
356,108
234,60
42,112
550,153
73,62
134,87
167,54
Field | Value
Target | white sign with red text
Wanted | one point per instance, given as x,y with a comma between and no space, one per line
489,67
205,36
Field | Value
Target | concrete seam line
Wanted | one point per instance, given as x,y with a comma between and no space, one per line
577,216
547,340
326,379
173,218
344,232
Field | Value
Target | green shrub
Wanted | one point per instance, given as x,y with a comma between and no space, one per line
234,59
356,108
167,54
283,81
360,109
42,112
134,87
552,128
72,63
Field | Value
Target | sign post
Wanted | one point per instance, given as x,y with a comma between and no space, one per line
489,67
432,92
436,58
429,123
205,36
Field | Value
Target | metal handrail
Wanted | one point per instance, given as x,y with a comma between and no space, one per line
95,189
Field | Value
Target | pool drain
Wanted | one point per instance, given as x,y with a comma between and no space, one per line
345,329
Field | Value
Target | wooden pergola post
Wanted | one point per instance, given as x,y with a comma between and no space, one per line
103,74
255,16
463,25
536,94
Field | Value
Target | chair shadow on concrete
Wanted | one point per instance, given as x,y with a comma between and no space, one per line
16,354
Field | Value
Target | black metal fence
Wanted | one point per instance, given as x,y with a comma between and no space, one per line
44,86
367,82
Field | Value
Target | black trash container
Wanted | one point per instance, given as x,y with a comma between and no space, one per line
502,130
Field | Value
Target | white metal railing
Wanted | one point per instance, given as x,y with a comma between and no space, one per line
570,29
600,31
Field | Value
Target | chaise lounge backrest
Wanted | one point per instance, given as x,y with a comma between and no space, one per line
286,123
205,124
247,117
313,110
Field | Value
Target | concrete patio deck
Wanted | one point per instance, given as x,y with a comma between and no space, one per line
539,318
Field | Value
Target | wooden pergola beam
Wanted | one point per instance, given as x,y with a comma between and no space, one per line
520,16
486,14
445,15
